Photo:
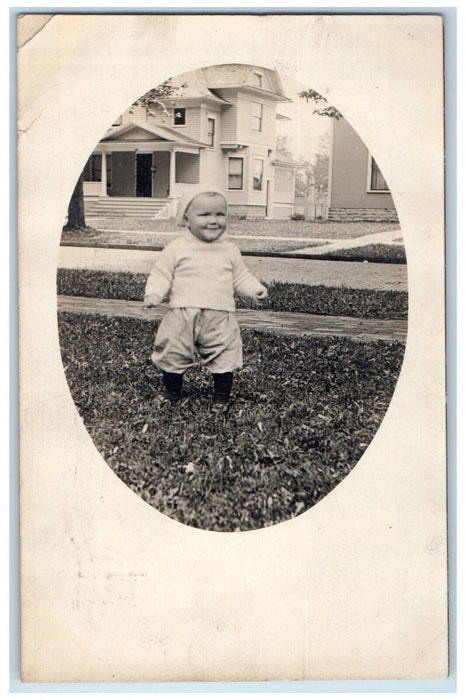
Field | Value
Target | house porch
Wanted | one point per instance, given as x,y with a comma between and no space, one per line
123,180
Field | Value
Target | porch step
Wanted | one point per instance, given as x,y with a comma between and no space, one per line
136,207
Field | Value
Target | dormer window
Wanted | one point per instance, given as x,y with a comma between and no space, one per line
179,116
256,116
256,79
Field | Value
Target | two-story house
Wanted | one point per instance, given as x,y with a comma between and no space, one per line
219,128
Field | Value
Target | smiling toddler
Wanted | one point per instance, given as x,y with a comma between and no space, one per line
201,271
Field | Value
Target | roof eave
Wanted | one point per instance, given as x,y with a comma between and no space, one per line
193,99
150,129
287,163
250,88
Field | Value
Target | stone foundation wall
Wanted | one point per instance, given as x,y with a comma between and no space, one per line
362,214
250,211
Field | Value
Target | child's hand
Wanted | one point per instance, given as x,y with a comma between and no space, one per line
150,300
262,295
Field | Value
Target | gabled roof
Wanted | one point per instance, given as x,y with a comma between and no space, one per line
237,75
162,133
194,85
204,82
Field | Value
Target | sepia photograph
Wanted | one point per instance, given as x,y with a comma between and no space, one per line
231,261
220,190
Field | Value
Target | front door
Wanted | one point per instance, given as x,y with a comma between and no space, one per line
144,175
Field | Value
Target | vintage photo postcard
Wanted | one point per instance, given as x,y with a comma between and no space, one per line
232,347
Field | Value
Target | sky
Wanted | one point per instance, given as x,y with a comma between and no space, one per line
306,129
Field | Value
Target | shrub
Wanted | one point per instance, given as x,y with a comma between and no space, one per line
283,296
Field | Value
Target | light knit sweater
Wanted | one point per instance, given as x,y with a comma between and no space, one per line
200,275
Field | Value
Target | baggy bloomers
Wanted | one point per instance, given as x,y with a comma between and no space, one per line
213,334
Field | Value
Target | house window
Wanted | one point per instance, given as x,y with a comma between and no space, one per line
377,181
179,116
93,168
235,173
257,175
210,131
257,79
257,108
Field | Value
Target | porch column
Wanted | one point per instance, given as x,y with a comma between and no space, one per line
172,172
103,189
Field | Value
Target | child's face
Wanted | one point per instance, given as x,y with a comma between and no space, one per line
206,217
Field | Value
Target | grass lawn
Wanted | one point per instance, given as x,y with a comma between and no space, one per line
380,252
283,296
157,241
250,227
304,411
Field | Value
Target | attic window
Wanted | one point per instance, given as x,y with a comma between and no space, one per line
257,79
179,116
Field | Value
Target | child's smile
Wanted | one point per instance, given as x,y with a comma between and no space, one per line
206,217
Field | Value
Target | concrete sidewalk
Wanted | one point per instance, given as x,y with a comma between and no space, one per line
382,237
355,275
284,323
324,244
232,236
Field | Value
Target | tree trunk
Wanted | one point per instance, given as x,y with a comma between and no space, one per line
76,219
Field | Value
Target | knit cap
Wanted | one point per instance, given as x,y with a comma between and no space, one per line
188,196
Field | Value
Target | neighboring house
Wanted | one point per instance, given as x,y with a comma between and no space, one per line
357,188
220,128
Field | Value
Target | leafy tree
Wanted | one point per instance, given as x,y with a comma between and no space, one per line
155,96
314,174
158,96
321,164
327,111
282,146
304,179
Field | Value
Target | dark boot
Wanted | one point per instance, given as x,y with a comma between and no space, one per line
222,387
173,384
